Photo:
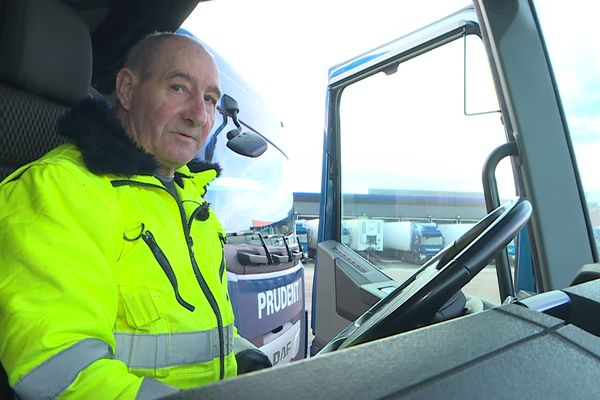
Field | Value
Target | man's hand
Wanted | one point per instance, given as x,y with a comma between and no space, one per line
249,358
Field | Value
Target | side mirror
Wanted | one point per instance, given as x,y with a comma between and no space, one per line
247,143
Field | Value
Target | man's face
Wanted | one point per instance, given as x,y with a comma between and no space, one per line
171,113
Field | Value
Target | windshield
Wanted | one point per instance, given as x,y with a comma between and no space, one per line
252,194
432,241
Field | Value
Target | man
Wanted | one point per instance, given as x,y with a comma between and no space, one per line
112,276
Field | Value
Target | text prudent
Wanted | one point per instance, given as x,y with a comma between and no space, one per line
277,299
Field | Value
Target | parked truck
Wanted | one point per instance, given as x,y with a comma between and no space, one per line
451,232
312,233
362,234
415,242
302,236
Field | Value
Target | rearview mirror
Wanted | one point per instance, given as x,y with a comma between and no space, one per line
247,143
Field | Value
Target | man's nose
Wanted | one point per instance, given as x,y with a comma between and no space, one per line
197,113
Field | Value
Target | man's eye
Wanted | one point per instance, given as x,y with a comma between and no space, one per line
211,100
177,88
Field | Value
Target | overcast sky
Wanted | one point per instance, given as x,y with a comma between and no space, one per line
284,49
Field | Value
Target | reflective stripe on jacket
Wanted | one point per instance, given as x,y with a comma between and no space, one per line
110,287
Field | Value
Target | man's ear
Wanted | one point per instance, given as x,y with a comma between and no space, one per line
125,83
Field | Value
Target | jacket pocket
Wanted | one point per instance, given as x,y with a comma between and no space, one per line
140,308
143,314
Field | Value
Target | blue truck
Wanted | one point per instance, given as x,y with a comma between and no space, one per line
415,242
302,236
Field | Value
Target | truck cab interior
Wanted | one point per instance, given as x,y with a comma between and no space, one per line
54,53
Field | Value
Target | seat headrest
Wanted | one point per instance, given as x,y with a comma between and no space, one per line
45,49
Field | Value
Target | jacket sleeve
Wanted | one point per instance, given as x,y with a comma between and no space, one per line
58,293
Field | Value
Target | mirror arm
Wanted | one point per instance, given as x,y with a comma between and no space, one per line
212,143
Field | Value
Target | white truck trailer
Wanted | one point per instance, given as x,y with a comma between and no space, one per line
363,234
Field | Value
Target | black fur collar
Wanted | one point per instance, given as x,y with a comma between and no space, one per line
105,146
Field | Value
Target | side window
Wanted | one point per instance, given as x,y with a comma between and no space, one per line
412,149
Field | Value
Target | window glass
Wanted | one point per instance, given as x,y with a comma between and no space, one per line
575,59
411,160
252,194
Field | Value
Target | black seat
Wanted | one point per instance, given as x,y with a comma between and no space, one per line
46,67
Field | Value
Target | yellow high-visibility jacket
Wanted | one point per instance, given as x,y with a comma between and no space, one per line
110,286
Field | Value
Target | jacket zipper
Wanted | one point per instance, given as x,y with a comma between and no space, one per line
201,281
203,208
222,268
162,260
209,296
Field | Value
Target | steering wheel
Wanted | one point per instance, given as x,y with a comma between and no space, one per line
415,302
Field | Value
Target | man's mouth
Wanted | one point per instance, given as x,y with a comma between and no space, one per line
186,135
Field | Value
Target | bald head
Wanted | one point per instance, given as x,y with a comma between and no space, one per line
142,57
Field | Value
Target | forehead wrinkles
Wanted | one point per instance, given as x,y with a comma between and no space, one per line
189,61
